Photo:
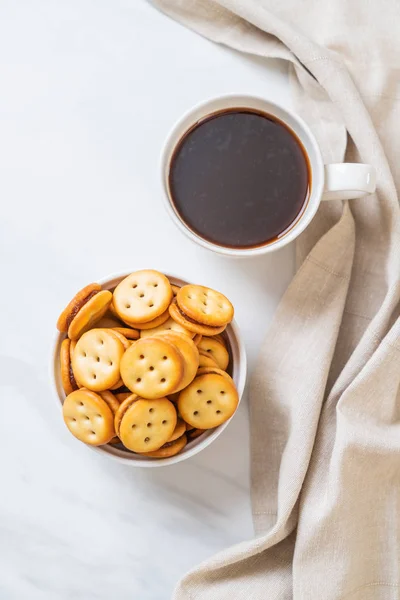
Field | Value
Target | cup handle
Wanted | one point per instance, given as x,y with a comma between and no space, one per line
346,181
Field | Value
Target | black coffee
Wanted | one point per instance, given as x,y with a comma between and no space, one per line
239,178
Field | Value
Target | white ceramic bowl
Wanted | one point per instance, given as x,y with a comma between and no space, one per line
238,366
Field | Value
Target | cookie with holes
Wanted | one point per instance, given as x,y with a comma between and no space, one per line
96,360
206,361
123,407
67,376
153,323
216,350
86,308
180,429
169,325
214,371
208,401
191,324
194,433
88,417
169,449
190,355
130,334
152,367
110,400
142,297
146,425
205,305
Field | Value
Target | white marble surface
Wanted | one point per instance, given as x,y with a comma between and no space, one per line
89,89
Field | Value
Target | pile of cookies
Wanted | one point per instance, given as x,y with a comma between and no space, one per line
144,366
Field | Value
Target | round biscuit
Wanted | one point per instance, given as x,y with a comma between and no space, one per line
153,323
214,371
180,429
206,361
121,396
205,305
169,449
190,355
190,324
197,338
126,343
117,385
88,417
96,360
89,314
142,296
152,367
115,441
208,401
216,350
221,339
175,289
112,311
147,424
67,377
128,332
123,407
108,322
110,400
168,325
194,433
75,305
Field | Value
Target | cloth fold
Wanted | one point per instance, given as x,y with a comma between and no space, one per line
324,398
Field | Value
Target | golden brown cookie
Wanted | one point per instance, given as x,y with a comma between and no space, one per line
142,296
147,424
197,338
190,355
175,289
168,325
72,309
214,371
72,348
216,350
112,311
152,367
128,332
67,376
115,441
208,401
110,400
89,314
206,360
179,430
123,407
153,323
121,396
96,360
205,305
169,449
194,433
221,339
88,417
190,324
126,343
108,322
117,385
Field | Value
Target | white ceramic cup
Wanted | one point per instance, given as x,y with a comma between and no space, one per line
239,371
342,181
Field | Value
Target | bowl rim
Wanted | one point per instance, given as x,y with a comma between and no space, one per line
202,443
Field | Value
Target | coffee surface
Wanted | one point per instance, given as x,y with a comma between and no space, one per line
239,178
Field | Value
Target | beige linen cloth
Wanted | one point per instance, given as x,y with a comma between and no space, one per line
325,403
